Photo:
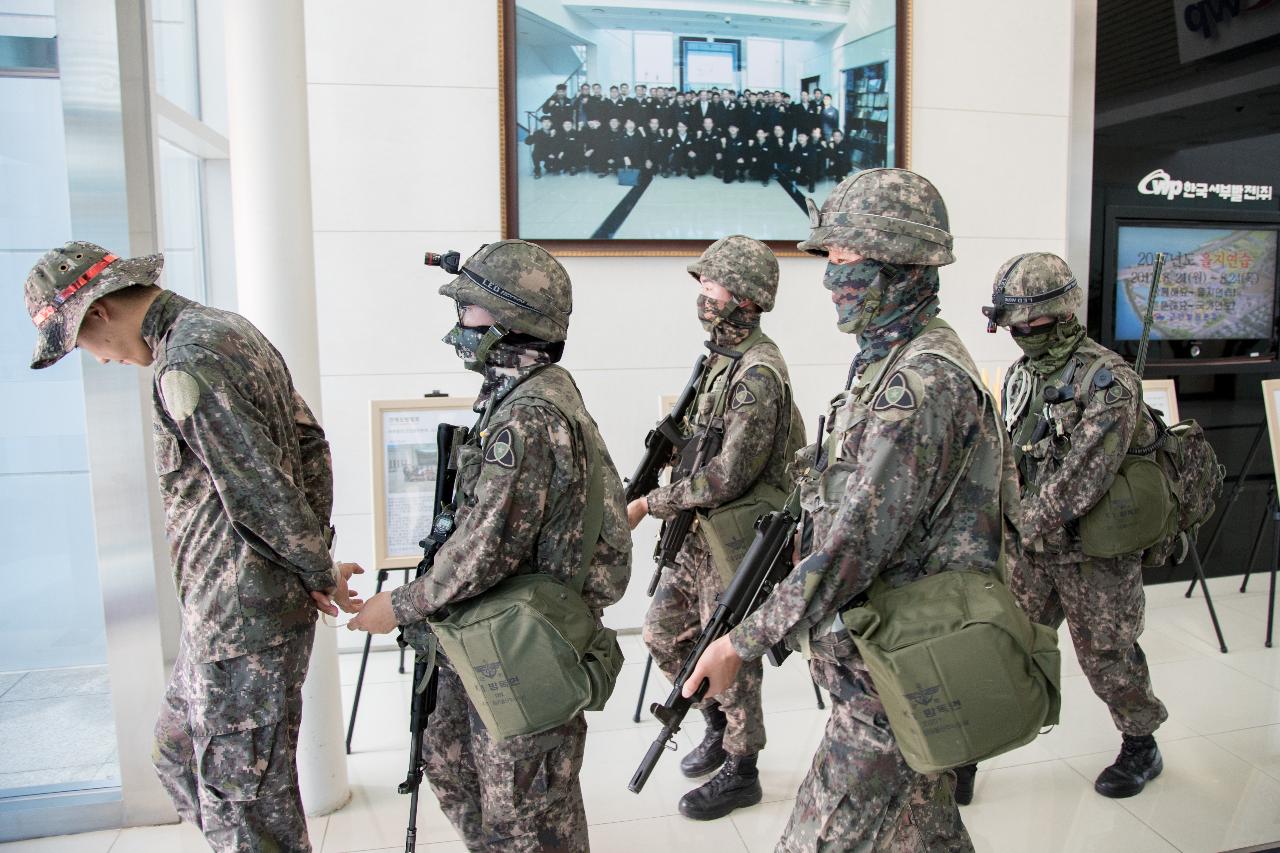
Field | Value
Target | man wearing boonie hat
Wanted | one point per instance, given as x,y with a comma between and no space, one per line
247,482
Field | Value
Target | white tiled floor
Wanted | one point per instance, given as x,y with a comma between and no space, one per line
1220,789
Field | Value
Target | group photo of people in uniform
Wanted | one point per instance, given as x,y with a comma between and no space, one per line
696,124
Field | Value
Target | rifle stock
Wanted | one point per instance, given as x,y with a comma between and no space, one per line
765,563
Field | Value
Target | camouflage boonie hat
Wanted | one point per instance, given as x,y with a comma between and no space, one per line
520,284
1035,284
746,268
66,281
889,215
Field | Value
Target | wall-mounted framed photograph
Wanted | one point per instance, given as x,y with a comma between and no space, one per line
1162,395
630,128
405,466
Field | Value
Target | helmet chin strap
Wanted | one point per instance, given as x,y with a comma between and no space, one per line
490,340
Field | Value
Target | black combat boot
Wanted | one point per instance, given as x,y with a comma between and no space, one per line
1137,764
709,754
965,775
736,785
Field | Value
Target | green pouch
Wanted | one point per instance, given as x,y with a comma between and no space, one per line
729,530
962,672
529,652
1137,511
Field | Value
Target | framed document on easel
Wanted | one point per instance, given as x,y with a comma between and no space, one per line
404,472
1271,399
1162,395
405,466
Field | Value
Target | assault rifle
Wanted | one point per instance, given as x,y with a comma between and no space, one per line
662,441
767,562
425,671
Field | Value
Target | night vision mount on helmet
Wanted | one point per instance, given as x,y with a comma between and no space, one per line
1027,285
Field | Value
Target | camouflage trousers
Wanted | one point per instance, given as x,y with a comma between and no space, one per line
519,794
684,601
859,793
1104,605
226,746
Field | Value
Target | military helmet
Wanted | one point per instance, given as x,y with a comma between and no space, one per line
1035,284
520,284
747,268
889,215
66,281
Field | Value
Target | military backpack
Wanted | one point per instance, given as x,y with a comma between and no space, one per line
530,653
962,672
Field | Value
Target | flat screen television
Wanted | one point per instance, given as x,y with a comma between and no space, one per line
1217,298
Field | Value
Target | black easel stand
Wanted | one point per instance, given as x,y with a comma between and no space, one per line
1273,509
644,684
364,658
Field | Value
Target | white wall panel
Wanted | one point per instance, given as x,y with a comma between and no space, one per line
401,158
379,311
997,56
1001,174
403,42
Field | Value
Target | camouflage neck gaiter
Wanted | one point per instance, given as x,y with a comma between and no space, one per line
504,369
883,305
729,323
1049,347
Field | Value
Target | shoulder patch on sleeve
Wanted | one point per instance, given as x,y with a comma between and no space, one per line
742,397
502,449
900,396
1116,394
180,393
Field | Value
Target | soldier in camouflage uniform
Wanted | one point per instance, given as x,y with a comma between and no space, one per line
1074,408
521,497
247,484
745,392
909,481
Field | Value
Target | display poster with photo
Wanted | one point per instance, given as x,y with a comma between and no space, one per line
1271,401
406,465
1161,395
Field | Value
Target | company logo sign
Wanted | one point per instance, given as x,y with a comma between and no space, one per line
1161,183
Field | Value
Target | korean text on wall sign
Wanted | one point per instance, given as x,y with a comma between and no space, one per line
1159,183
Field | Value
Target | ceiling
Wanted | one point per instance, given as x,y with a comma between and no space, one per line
805,21
1145,96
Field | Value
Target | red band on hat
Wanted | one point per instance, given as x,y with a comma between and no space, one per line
70,290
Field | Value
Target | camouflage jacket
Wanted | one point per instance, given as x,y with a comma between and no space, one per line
1070,468
763,429
520,496
911,484
246,479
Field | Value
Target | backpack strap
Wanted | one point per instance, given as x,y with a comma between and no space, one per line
593,518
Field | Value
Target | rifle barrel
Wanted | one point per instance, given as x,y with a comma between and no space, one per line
1141,364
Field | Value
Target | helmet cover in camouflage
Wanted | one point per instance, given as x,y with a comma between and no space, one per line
745,267
1035,284
66,281
520,284
889,215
